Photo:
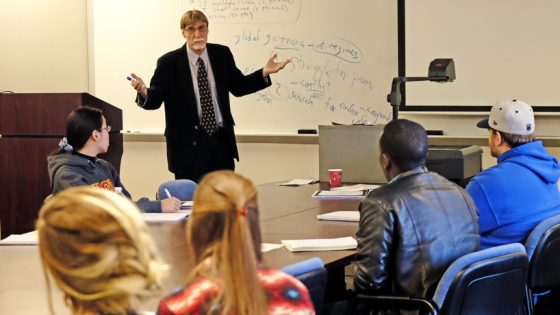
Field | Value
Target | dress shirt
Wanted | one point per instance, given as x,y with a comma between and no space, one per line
193,66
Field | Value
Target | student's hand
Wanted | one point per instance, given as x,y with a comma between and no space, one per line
272,66
138,84
171,204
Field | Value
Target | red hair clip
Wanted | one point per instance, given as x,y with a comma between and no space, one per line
242,211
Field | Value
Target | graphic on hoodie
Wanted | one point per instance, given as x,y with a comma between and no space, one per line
106,184
69,170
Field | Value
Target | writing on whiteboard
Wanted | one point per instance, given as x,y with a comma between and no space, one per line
329,73
248,11
326,68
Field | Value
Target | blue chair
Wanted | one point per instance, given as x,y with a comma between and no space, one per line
490,281
543,249
313,275
183,189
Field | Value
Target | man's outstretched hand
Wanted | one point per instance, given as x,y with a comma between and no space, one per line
272,66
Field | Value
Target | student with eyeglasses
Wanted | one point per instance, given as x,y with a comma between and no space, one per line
194,82
75,163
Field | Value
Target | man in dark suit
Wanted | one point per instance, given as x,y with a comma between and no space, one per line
194,82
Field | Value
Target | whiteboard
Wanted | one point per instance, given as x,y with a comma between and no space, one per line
343,57
502,49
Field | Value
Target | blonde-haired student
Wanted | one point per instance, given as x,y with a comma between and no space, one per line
96,248
224,239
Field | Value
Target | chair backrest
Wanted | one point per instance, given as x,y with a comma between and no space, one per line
490,281
183,189
543,250
313,275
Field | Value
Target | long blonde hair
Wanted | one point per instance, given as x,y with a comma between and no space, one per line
225,241
96,247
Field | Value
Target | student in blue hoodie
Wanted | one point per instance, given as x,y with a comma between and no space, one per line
76,162
521,190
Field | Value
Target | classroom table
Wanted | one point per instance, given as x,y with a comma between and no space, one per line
286,213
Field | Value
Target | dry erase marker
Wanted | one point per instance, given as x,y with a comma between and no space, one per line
167,193
129,78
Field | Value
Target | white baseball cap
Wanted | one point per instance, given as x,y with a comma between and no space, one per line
511,116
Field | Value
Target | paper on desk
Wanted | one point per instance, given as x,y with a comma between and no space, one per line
165,217
299,182
186,205
337,194
30,238
341,243
266,247
351,216
357,187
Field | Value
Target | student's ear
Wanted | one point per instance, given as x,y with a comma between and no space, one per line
385,161
95,135
497,138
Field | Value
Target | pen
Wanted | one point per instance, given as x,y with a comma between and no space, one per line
167,193
129,78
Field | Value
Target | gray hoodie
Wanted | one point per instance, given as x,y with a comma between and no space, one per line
68,170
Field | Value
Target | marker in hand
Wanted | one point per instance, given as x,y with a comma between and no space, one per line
167,193
170,204
138,84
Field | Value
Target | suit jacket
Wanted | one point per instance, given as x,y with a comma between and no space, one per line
172,84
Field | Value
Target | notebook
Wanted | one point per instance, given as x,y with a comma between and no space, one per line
351,216
338,194
166,217
30,238
341,243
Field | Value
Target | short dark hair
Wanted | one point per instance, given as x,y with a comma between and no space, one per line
514,140
406,142
81,123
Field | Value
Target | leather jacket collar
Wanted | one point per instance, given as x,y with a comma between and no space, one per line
418,170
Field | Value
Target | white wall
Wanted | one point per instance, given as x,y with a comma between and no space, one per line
342,57
44,46
501,48
45,49
464,124
144,164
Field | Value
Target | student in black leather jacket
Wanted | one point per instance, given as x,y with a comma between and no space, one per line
414,227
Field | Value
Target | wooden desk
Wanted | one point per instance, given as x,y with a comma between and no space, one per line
279,201
286,213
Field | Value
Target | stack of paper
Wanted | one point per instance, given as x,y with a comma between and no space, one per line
266,247
299,182
351,216
165,217
357,187
337,194
186,205
30,238
320,244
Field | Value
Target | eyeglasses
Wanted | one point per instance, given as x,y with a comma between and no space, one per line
108,128
201,29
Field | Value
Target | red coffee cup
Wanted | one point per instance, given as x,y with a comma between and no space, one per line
335,177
